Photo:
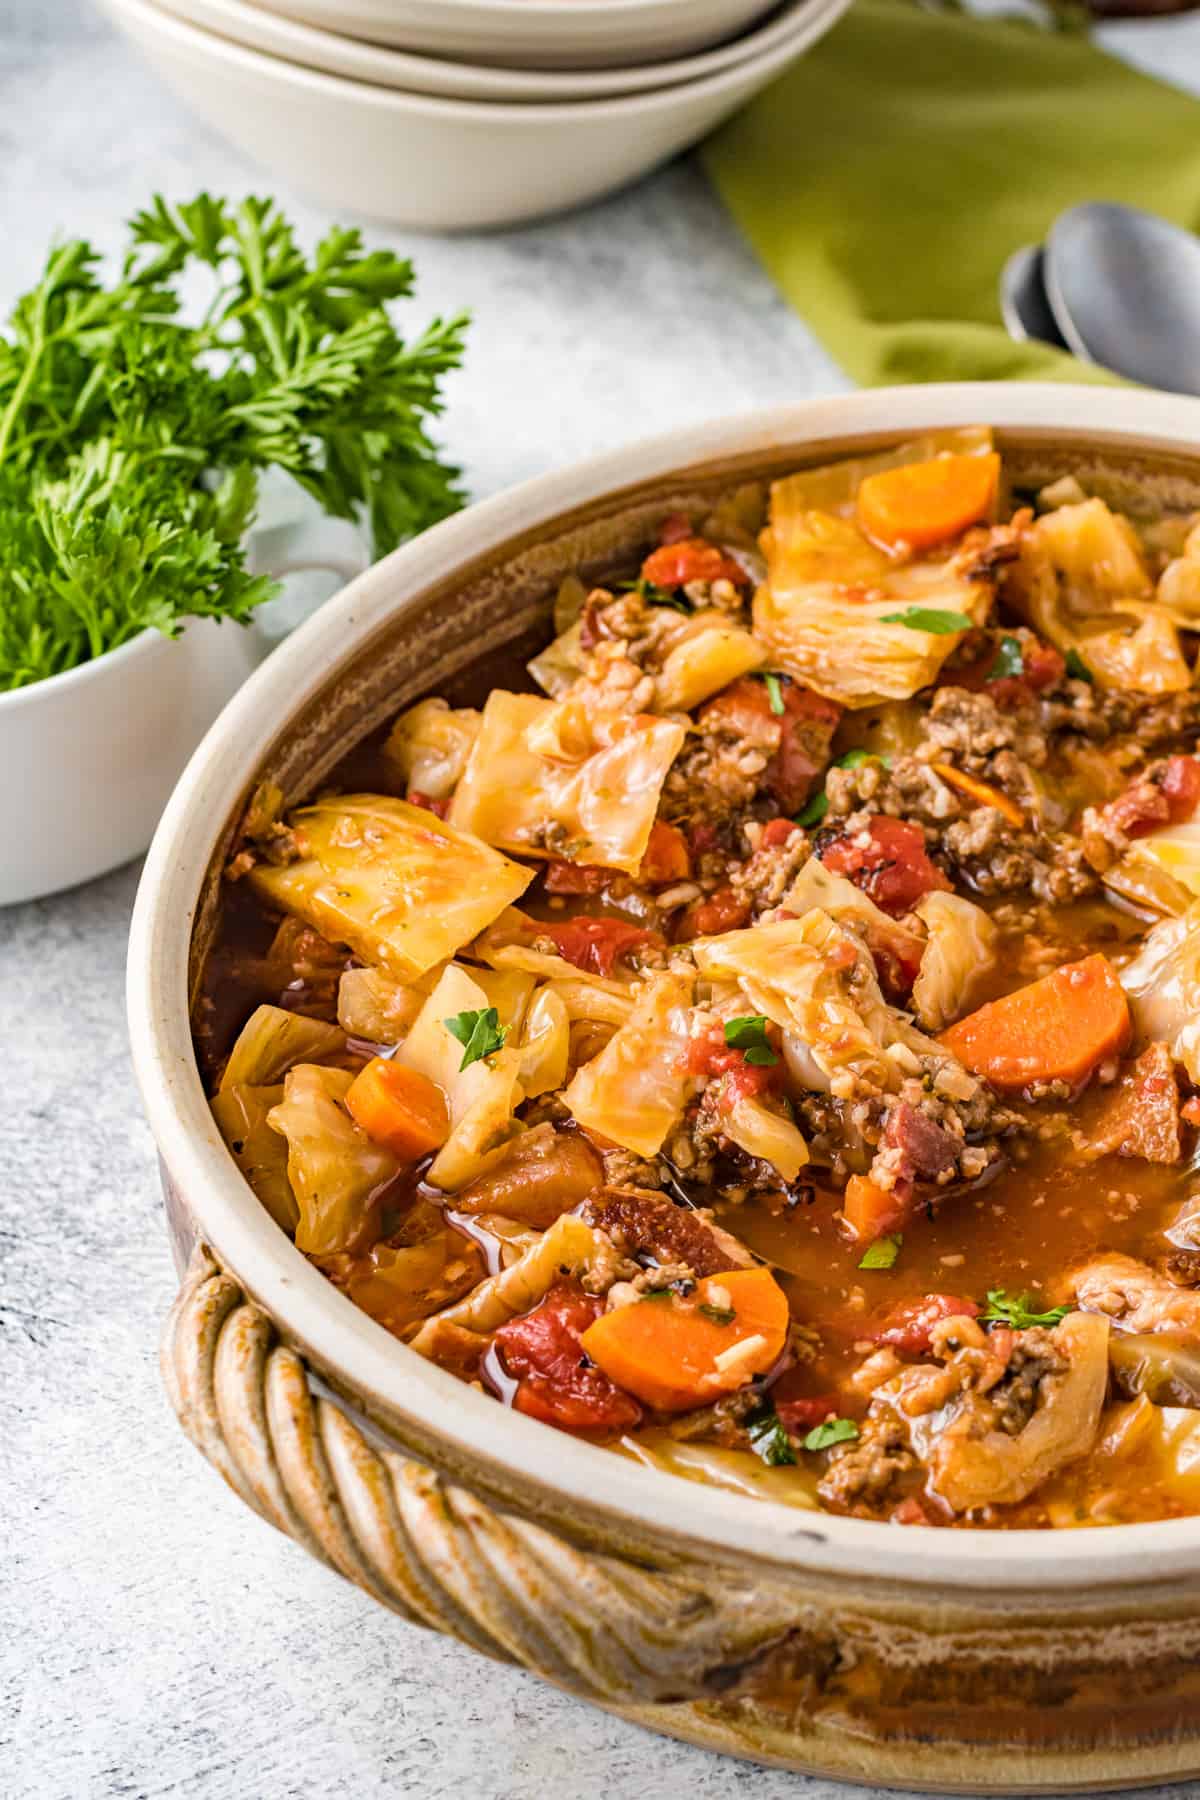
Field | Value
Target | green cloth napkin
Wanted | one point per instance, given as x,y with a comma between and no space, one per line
885,178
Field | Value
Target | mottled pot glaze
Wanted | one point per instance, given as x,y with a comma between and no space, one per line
968,1662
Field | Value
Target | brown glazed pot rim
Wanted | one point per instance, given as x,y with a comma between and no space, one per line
360,1358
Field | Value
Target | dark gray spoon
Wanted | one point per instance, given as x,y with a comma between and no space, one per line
1124,286
1023,303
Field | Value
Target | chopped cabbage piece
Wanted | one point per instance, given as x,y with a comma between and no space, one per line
1178,591
588,1000
391,880
970,1467
482,1097
373,1005
337,1173
760,1132
260,1153
545,1046
399,1284
429,744
272,1041
593,800
1175,849
1082,582
959,951
635,1090
704,662
815,885
737,1471
825,611
510,992
815,980
1162,983
567,1247
561,663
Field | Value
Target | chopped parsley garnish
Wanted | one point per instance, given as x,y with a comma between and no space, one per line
480,1033
883,1252
720,1315
769,1440
1018,1310
138,407
1010,660
930,619
654,595
814,811
854,759
1077,668
833,1431
749,1035
774,693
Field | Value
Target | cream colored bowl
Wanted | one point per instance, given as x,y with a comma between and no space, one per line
250,25
972,1661
436,164
534,34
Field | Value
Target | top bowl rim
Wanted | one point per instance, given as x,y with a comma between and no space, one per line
230,1218
592,109
544,86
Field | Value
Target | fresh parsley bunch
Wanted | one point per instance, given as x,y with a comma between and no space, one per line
131,435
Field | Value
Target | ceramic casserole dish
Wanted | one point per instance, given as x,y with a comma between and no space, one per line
995,1662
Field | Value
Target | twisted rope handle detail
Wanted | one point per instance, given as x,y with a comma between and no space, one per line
434,1552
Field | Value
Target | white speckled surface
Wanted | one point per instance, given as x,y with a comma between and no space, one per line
155,1638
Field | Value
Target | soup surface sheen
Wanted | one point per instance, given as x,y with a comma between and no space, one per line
761,1034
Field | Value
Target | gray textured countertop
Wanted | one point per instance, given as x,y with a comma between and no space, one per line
155,1638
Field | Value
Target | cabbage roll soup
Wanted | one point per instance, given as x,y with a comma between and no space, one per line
761,1035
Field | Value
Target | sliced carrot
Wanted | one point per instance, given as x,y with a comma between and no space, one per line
400,1108
1056,1029
922,504
981,791
676,1352
872,1211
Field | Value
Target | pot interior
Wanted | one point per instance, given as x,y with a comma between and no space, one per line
461,631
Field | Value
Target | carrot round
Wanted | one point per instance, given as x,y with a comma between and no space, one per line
872,1211
922,504
1056,1029
399,1108
676,1352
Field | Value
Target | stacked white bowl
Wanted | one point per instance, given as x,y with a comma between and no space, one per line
456,114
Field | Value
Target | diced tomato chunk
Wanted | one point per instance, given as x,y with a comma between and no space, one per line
910,1512
907,1326
809,722
666,859
1042,666
888,861
576,878
739,1080
427,803
797,739
675,528
597,945
1167,795
722,911
691,559
777,832
800,1415
1181,785
556,1381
